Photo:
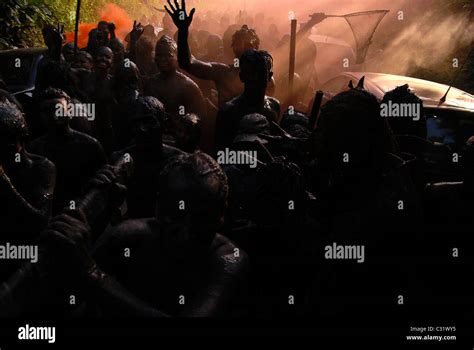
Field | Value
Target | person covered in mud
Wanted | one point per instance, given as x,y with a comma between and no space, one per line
83,60
179,247
76,156
100,36
142,49
118,50
148,153
226,77
53,71
25,205
68,52
179,94
256,71
97,86
187,132
365,195
127,86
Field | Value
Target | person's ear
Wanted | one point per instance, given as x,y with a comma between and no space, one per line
270,76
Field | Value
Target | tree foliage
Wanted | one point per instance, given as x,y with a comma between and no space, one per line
22,20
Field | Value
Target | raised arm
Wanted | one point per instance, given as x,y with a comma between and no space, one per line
135,35
200,69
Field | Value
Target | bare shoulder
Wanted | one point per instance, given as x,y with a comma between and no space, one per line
41,165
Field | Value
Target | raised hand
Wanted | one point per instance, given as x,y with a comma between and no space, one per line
53,37
180,18
136,32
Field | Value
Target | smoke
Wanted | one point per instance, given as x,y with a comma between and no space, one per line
415,33
110,13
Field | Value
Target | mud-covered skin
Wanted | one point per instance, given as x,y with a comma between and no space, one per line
98,86
179,247
231,113
127,84
225,77
176,90
256,72
141,190
171,87
204,278
25,205
149,155
77,157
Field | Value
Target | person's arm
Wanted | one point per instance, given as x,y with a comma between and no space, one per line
306,28
65,256
111,27
229,267
53,38
200,69
114,300
135,35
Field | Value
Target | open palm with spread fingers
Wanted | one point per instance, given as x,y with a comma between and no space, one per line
180,18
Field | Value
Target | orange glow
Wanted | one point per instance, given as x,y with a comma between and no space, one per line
109,13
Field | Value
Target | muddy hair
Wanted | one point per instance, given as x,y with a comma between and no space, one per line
199,180
247,35
12,122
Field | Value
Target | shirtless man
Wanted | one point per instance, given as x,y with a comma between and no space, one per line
25,205
256,71
77,156
149,155
178,254
226,77
179,94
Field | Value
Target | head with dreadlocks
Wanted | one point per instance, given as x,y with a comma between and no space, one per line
13,131
256,68
406,126
244,39
166,54
192,197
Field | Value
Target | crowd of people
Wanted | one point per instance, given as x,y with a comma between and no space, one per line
137,214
